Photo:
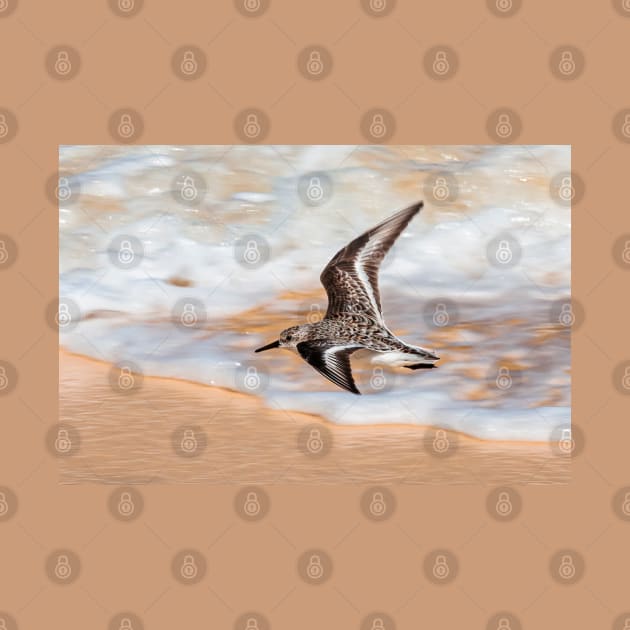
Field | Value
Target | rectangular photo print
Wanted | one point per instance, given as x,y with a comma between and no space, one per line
314,314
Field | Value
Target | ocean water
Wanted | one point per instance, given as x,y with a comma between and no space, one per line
180,261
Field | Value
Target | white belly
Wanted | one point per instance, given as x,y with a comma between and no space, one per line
395,358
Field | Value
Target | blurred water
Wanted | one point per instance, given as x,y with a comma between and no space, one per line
503,323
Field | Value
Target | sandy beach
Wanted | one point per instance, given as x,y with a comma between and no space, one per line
165,430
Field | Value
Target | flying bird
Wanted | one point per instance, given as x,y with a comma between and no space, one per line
354,319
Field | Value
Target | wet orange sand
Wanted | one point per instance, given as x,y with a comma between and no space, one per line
138,437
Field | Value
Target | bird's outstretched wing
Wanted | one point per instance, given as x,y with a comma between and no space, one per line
331,361
351,277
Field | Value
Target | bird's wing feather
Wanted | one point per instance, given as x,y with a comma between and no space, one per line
332,361
351,277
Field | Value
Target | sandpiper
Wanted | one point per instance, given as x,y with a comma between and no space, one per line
354,319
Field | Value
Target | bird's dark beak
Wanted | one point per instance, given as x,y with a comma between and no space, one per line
269,346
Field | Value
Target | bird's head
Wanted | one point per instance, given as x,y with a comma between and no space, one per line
289,338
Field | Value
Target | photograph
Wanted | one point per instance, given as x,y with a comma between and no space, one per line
314,314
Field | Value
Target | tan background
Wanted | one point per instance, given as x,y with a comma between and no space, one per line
378,62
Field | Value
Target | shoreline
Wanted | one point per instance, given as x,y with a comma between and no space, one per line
135,438
318,418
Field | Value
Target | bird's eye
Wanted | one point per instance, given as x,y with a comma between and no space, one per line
289,337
